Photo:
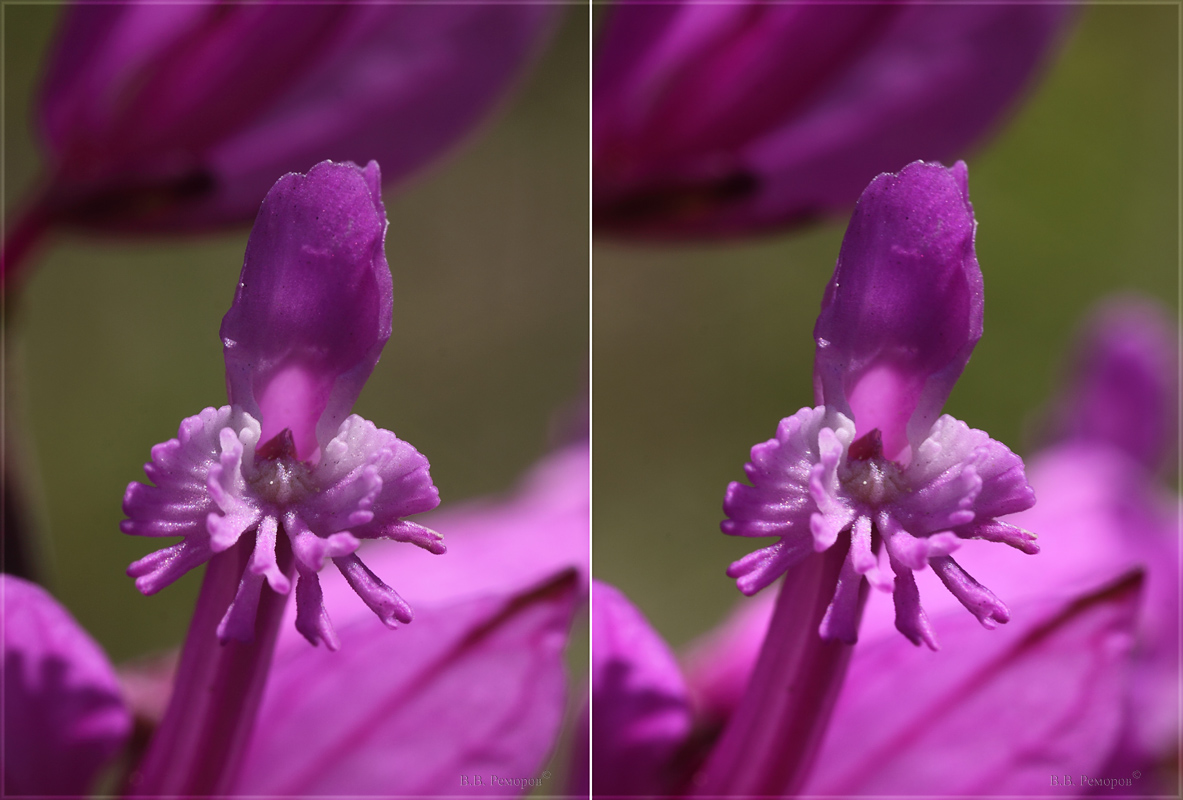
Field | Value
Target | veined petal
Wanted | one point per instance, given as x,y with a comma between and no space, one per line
64,715
1043,696
313,306
475,687
903,311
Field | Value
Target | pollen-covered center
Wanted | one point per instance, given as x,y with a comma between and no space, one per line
278,476
867,475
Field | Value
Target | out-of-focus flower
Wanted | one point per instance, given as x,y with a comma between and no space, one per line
717,119
899,320
468,700
169,117
63,714
284,460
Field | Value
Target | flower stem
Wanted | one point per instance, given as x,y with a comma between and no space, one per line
772,738
198,747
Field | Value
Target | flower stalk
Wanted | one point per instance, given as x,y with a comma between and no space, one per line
770,742
198,748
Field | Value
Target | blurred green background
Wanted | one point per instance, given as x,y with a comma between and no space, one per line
700,350
115,341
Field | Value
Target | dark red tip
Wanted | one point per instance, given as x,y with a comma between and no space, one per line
281,445
866,447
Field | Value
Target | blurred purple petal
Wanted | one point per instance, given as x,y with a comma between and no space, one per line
1124,386
1098,514
128,79
794,108
402,85
64,718
903,311
639,701
471,689
679,79
313,306
152,125
988,715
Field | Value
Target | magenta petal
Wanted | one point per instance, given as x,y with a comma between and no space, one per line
639,700
313,306
64,717
1124,387
903,311
991,715
474,688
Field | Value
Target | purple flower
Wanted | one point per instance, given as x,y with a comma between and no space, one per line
714,119
283,464
874,464
168,117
